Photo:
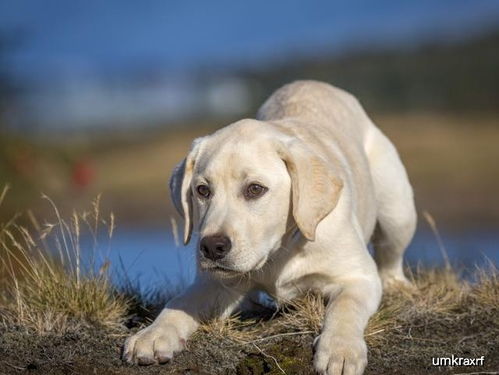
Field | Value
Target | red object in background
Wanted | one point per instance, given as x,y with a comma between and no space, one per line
23,162
82,173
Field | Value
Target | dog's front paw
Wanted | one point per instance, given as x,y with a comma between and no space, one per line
336,355
154,344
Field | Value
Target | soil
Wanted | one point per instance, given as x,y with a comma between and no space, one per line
402,350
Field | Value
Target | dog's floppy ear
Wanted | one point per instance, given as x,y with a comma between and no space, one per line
315,187
180,188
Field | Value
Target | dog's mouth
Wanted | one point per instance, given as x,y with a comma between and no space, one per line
261,263
221,271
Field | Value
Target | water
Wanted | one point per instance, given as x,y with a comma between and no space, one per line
151,257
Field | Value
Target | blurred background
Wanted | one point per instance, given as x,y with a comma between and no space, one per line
105,97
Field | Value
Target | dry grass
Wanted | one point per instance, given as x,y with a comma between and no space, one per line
46,287
486,291
49,289
436,294
47,284
440,315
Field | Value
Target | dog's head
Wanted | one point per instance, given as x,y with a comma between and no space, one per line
243,188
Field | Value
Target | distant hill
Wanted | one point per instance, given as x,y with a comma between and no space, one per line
461,76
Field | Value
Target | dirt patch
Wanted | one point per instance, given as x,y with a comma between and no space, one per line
405,349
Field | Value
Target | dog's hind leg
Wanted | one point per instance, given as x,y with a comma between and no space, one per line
396,214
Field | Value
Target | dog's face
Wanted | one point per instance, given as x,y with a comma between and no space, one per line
243,188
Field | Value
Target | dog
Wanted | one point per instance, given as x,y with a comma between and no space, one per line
287,203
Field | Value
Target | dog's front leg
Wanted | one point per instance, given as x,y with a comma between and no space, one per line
205,299
341,348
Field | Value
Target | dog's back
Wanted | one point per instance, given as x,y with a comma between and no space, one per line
336,125
315,100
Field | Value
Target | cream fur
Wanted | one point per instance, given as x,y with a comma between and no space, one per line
332,177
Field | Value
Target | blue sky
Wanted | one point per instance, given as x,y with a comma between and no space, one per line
61,36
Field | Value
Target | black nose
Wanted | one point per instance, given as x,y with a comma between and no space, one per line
215,247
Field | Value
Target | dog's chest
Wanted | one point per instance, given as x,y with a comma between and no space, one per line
279,293
287,281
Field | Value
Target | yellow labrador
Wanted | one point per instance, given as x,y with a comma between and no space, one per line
288,203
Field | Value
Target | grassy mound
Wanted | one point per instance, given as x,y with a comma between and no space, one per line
60,316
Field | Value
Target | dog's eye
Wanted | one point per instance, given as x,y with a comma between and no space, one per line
254,191
204,191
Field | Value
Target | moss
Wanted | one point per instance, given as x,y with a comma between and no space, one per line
254,364
291,356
